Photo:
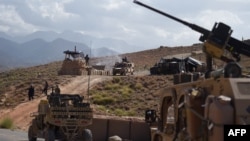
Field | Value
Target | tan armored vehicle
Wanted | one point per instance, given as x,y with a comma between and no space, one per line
200,109
63,117
74,63
123,68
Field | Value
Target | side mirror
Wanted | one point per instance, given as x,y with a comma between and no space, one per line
150,116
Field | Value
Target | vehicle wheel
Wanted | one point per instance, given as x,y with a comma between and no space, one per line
158,138
59,135
87,135
124,73
49,135
31,134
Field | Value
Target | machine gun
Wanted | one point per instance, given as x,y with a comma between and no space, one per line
217,42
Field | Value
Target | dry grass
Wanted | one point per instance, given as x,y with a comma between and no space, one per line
129,96
120,96
14,83
6,123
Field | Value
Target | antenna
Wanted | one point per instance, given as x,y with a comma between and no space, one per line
89,71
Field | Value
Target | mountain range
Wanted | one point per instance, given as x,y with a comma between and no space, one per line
45,46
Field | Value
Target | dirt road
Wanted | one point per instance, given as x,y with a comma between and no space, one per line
21,114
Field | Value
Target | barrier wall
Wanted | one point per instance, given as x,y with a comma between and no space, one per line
96,72
128,130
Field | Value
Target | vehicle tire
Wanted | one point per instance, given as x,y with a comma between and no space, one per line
49,135
87,135
158,138
175,71
31,134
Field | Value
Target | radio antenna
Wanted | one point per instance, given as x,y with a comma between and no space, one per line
89,72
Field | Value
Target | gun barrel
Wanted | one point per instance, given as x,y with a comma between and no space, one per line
199,29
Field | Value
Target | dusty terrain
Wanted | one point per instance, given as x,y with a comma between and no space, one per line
14,99
110,95
21,113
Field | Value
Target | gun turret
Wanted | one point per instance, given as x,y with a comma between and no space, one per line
216,41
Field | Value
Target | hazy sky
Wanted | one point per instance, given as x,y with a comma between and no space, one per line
123,19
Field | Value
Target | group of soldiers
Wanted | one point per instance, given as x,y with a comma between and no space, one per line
31,90
55,90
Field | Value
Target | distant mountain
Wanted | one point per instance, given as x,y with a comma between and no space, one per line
76,37
39,51
45,46
8,54
116,45
102,52
49,36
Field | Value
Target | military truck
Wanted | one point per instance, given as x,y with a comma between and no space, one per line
207,108
123,68
74,63
168,66
63,117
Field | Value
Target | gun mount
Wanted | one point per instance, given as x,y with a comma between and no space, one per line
217,42
199,109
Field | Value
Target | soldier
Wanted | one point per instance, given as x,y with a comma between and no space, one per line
124,59
45,89
87,59
57,90
31,92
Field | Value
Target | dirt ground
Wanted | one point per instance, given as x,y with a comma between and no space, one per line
21,114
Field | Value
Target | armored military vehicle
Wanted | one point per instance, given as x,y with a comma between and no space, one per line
63,117
123,68
74,63
205,109
167,66
175,65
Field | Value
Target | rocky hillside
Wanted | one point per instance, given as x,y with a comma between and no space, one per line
14,83
129,95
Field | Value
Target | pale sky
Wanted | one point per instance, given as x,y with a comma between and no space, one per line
125,20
